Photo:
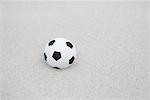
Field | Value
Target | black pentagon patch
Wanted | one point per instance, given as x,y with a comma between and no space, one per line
56,67
51,43
56,55
45,57
71,60
69,45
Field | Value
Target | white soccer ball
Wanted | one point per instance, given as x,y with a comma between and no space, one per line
60,53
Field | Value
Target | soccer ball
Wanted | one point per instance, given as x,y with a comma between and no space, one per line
60,53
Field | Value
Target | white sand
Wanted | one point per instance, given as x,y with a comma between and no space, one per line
111,40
